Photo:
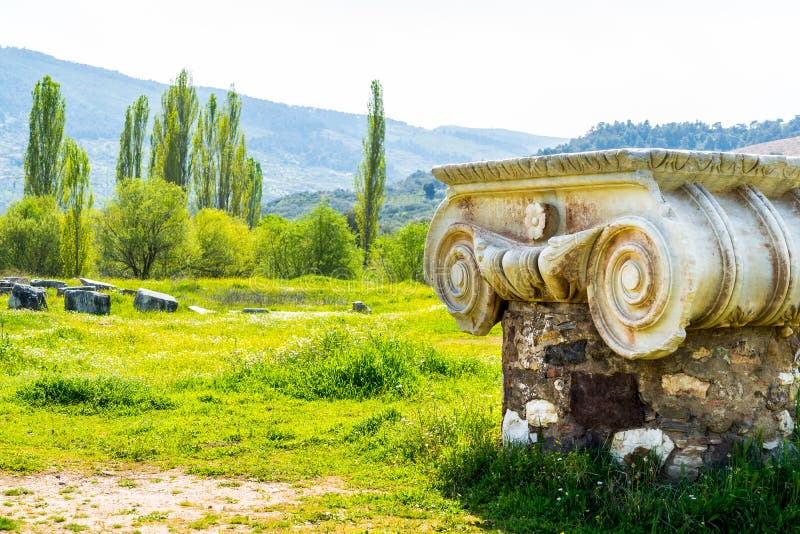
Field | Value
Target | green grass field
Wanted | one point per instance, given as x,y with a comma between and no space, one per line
399,405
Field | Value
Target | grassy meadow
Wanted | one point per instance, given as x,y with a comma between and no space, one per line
398,405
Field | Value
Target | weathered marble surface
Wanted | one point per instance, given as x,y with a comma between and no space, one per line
654,241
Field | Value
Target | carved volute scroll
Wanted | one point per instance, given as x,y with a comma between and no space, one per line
654,241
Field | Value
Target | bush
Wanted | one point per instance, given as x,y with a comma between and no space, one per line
223,243
92,395
320,243
399,256
30,236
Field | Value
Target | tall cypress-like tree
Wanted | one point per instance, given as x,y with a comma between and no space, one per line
75,198
371,176
204,163
46,131
254,191
171,140
129,161
229,143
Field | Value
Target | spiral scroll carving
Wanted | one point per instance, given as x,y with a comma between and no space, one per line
457,280
633,293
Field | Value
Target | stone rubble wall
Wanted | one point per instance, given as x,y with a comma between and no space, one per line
565,388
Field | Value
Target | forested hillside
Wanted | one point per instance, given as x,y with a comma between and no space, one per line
299,148
687,135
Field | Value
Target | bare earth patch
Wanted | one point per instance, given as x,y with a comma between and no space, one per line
164,501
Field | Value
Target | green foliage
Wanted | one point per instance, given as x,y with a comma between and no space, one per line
75,198
146,225
399,256
319,243
230,154
684,135
371,176
46,130
172,132
89,395
129,161
341,364
8,524
253,184
30,236
204,160
223,243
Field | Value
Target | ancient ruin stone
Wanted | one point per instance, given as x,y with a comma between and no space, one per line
54,284
61,290
146,301
360,307
87,302
515,430
255,310
27,297
201,311
640,442
683,384
99,286
652,295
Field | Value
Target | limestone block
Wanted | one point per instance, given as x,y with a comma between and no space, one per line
87,302
540,412
27,297
61,290
683,384
515,430
785,422
360,307
99,286
201,311
653,241
639,442
55,284
147,300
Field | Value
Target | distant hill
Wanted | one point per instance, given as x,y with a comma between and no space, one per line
684,135
412,199
300,148
782,147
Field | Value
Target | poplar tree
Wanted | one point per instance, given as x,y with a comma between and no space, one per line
371,176
46,131
129,161
204,165
172,132
229,145
254,185
75,198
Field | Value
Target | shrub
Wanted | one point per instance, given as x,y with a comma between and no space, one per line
223,243
92,394
399,256
30,236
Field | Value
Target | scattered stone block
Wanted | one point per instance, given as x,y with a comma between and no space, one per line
255,310
87,302
16,280
540,413
147,301
99,286
360,307
201,311
27,297
682,384
61,290
52,284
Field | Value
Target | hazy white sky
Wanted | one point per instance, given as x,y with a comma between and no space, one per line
553,68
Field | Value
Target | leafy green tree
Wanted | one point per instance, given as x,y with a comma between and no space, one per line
75,198
46,131
279,248
145,224
224,244
171,139
330,246
371,177
399,256
204,161
30,236
129,161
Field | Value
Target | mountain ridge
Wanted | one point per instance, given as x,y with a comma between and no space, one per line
301,148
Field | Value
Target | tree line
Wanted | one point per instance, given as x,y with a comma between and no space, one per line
682,135
198,210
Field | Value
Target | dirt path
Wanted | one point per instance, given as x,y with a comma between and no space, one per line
148,502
